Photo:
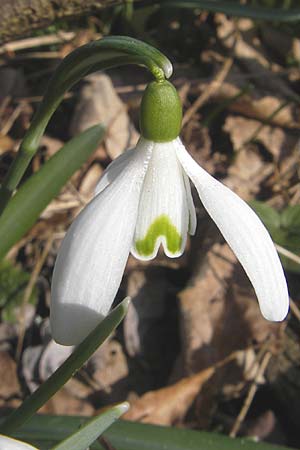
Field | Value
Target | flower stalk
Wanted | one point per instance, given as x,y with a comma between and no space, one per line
98,55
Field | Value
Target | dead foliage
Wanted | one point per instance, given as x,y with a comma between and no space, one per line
194,349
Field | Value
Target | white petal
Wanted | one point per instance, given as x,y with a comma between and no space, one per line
93,255
163,216
8,443
246,235
113,170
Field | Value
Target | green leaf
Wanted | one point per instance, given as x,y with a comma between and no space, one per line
59,378
46,430
239,10
92,429
290,219
284,228
34,195
269,216
290,236
13,282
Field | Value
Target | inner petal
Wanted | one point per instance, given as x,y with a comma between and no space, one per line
163,216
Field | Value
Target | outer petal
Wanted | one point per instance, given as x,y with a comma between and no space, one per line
163,216
246,235
8,443
113,170
93,255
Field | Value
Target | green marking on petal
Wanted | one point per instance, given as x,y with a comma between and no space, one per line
162,226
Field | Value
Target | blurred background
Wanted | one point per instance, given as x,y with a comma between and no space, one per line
194,350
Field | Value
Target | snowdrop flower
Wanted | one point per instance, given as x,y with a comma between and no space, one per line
143,200
7,443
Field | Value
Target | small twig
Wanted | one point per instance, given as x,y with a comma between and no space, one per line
39,55
4,105
28,292
295,310
80,198
11,120
37,42
211,88
283,251
251,393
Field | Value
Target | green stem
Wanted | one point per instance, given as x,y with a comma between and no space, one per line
80,355
98,55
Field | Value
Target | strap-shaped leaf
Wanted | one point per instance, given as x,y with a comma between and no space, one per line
91,430
35,194
59,378
124,435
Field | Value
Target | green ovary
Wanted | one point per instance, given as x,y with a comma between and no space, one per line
162,226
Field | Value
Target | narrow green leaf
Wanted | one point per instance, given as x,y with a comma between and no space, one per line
92,429
239,10
123,435
57,380
290,219
284,228
34,195
269,216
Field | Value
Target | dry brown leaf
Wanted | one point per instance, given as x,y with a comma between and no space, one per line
52,145
232,37
143,325
99,103
89,181
259,105
169,405
65,403
247,172
6,143
262,108
219,312
108,365
275,140
246,47
9,386
202,308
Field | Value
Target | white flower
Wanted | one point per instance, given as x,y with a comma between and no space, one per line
144,200
7,443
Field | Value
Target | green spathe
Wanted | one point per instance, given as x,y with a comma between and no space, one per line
161,112
162,226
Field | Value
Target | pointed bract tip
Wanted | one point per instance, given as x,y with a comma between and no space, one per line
125,303
168,68
122,407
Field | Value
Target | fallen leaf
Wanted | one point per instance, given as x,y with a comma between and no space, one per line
169,405
64,403
275,140
9,386
99,103
108,365
90,180
6,143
